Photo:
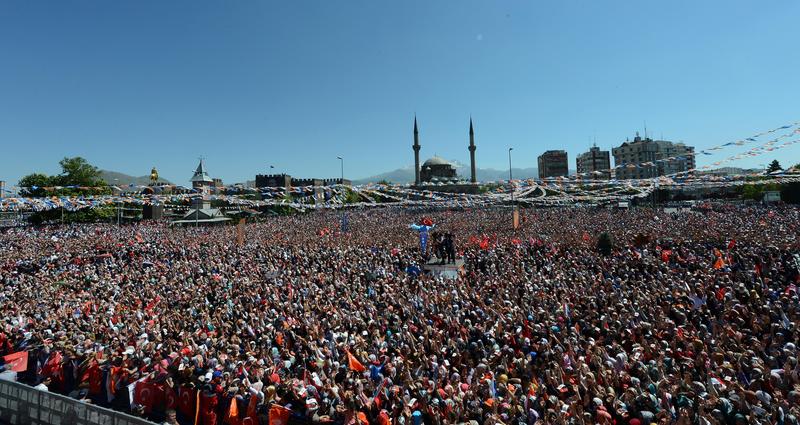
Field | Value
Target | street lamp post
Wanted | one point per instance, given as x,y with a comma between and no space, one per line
514,213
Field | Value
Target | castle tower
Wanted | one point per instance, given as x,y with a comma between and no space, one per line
473,178
200,179
416,147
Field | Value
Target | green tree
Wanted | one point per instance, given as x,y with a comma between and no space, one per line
774,166
75,172
33,184
78,172
752,191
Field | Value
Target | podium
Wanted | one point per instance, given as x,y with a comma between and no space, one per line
447,271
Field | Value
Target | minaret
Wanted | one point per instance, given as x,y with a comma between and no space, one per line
473,179
416,147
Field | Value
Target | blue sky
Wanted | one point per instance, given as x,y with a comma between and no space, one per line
246,84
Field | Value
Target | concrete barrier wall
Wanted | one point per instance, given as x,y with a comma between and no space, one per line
23,405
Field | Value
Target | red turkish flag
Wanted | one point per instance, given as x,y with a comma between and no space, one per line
149,395
171,397
143,395
186,401
208,408
18,362
54,369
94,376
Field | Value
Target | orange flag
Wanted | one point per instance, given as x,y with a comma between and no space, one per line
232,417
197,408
719,263
354,363
278,415
251,418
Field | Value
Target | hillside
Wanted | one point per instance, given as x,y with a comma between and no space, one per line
406,175
115,178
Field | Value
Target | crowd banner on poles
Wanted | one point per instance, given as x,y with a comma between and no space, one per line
240,232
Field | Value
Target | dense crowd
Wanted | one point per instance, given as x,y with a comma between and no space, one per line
692,318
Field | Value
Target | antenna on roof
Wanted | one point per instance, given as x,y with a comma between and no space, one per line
645,129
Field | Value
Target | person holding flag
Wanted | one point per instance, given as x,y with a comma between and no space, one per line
424,228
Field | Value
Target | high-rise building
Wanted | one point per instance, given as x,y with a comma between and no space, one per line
553,164
594,164
645,158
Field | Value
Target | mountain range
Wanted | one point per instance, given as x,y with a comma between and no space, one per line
115,178
406,175
398,176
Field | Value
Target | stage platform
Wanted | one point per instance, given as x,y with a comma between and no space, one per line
449,271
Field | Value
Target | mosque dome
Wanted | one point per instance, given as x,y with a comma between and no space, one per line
436,161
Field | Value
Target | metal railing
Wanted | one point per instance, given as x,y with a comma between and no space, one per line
24,405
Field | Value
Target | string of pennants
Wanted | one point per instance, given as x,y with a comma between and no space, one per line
549,191
767,146
384,196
